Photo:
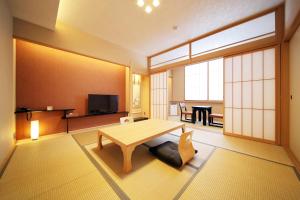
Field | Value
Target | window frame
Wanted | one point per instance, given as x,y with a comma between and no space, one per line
207,100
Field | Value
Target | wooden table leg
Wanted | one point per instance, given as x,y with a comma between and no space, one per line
100,146
183,128
127,153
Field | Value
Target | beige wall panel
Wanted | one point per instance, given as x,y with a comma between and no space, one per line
257,98
269,125
237,68
228,70
228,95
228,120
257,119
269,94
294,60
257,65
237,121
269,63
246,92
247,122
7,85
237,95
246,67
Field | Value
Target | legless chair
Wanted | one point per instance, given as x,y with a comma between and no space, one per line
126,120
174,154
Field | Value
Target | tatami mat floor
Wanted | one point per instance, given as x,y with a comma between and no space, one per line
70,167
55,168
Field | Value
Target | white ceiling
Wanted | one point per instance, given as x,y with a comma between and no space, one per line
39,12
124,23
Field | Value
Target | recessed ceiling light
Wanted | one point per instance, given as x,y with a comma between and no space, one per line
156,3
140,3
148,9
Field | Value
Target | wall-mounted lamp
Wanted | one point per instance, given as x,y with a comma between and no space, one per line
35,130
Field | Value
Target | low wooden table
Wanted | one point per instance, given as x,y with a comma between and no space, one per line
128,136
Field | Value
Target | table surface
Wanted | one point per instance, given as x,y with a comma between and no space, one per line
201,106
139,132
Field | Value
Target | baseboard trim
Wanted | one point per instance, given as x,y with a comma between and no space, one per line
251,138
293,159
6,161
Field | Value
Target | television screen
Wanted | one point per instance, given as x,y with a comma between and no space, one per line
102,104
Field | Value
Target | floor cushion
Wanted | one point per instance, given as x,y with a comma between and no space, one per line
167,152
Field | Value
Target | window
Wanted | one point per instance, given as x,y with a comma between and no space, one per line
204,81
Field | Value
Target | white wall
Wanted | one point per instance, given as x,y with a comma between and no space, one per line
7,94
71,39
294,60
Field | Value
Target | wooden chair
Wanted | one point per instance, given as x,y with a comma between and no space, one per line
211,119
183,111
185,147
175,154
126,120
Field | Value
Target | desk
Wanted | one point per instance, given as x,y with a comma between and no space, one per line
30,111
128,136
201,109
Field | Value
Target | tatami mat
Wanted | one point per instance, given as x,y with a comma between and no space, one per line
45,165
86,137
230,175
261,150
258,149
150,177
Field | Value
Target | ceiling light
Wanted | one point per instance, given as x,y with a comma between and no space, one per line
155,3
140,3
148,9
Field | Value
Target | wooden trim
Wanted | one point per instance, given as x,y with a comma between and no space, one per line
259,14
279,23
292,30
224,95
73,52
249,138
293,158
277,96
285,94
263,96
6,160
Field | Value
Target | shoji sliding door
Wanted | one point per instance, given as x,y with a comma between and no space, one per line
250,95
159,96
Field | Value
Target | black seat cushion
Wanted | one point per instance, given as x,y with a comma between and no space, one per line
167,152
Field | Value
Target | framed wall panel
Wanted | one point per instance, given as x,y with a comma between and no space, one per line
228,121
237,95
159,98
269,125
257,65
236,68
257,97
257,124
247,67
250,95
247,122
228,70
237,121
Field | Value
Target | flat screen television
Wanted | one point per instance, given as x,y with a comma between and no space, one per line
102,104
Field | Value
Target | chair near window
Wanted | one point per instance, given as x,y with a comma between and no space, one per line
184,112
